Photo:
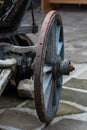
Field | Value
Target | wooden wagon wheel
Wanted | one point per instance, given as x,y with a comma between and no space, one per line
48,82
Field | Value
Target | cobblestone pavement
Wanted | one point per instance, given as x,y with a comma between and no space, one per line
19,114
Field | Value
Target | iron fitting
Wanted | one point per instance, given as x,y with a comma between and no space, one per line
66,67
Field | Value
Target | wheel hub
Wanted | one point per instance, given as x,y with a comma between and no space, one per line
66,67
61,67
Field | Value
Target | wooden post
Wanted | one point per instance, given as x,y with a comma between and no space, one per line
45,6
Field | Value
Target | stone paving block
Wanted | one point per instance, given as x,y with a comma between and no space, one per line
65,109
74,96
75,57
26,88
30,104
21,120
83,76
9,101
77,83
68,124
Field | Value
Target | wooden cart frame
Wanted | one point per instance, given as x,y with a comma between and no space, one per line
46,5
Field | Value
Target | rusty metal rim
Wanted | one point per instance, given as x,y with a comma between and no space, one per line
41,50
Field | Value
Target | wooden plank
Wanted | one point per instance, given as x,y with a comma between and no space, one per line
45,6
6,69
69,1
7,63
4,78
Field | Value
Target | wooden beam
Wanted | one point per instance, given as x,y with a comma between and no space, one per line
69,1
45,6
5,75
7,67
